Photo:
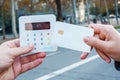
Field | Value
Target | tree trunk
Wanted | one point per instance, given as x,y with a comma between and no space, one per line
116,10
106,7
88,12
74,11
31,7
3,25
14,30
59,10
2,18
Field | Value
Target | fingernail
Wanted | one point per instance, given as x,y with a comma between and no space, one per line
107,60
30,46
87,39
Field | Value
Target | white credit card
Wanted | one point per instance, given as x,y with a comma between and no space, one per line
71,36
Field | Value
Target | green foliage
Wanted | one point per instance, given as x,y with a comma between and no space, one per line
94,11
117,27
27,7
5,15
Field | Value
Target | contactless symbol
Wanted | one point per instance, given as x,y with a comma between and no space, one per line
61,32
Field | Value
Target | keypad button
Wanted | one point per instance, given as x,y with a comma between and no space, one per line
35,44
48,43
48,38
34,34
27,34
35,48
41,38
27,39
34,39
41,34
41,43
48,34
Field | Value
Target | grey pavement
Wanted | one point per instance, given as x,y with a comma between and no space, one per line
94,70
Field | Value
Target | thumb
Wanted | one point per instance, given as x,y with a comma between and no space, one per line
95,42
21,50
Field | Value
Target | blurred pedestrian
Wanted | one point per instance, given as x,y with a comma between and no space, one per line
94,20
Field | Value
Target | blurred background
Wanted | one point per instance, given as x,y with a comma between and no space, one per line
80,12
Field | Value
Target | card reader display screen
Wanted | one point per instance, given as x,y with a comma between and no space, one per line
37,26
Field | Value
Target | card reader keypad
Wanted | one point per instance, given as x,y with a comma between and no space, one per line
38,39
37,30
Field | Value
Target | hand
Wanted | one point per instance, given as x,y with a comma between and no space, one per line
12,64
106,41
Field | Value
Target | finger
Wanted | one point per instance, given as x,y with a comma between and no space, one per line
97,28
103,56
84,55
41,55
17,42
21,50
17,66
95,42
32,57
12,43
31,65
